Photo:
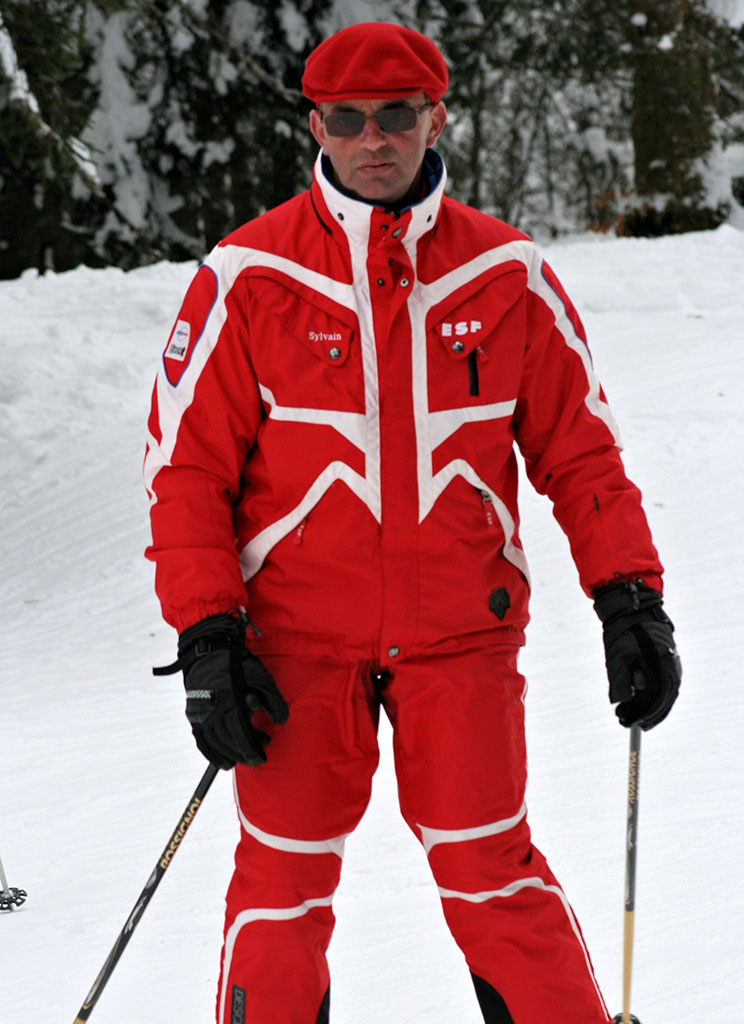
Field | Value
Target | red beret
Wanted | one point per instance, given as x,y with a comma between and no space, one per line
374,60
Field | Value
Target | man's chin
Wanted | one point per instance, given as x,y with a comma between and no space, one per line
380,200
378,191
372,193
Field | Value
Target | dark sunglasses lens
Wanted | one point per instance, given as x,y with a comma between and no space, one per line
348,123
397,119
345,123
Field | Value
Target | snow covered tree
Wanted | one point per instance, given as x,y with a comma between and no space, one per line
569,113
678,51
213,126
49,196
189,109
537,129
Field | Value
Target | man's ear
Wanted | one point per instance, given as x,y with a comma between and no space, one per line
317,128
438,119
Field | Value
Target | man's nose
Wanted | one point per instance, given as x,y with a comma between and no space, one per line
373,137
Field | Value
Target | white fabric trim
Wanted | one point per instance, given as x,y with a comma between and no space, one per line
334,845
532,883
358,243
444,423
255,551
418,307
350,424
431,837
459,467
328,287
252,915
436,291
287,845
154,462
538,284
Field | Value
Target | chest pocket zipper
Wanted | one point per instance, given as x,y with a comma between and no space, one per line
473,371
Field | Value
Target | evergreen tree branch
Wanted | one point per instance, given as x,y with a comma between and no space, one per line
242,58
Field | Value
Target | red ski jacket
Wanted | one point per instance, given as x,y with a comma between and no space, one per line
331,441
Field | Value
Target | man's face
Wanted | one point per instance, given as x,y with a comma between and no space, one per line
376,165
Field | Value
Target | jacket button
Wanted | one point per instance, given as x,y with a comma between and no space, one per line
404,282
334,353
393,652
457,346
381,281
397,233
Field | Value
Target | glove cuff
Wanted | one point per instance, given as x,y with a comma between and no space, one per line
214,633
626,598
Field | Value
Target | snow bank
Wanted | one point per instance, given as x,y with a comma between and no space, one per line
97,761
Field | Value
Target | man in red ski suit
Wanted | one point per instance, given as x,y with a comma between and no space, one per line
334,519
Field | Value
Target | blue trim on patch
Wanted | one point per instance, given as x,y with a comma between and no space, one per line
204,326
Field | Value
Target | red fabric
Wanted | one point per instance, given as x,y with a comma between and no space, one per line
374,60
461,767
333,481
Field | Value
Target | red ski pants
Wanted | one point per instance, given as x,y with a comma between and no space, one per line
458,727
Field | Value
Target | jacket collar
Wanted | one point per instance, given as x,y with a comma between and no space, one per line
354,216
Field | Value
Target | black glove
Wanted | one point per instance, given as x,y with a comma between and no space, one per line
225,684
642,662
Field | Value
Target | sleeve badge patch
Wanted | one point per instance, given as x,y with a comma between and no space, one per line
190,325
178,346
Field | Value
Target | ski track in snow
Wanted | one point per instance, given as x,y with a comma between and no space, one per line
97,761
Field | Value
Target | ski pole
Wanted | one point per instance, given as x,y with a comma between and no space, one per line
631,846
10,898
146,895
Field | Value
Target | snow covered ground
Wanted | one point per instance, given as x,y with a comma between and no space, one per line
97,762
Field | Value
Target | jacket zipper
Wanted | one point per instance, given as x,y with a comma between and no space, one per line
488,511
297,536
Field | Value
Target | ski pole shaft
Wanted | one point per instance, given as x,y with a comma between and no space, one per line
4,880
146,895
631,846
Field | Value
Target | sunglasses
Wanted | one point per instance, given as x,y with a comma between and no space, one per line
391,120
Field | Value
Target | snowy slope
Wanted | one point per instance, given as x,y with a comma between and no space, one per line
97,762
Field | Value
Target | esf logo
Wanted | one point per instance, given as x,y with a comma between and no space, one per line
460,328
